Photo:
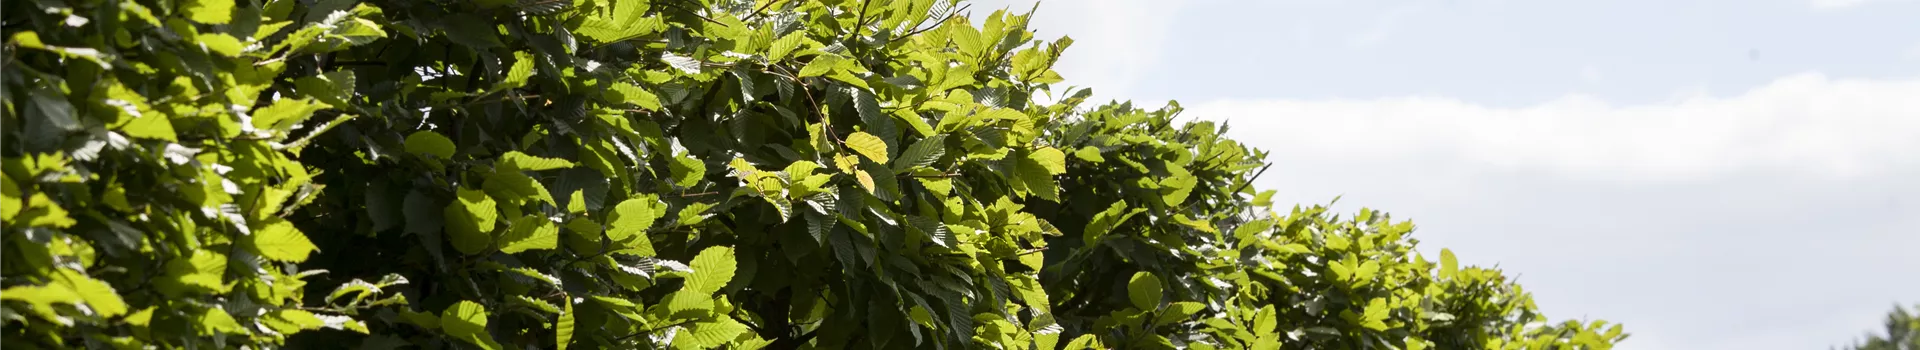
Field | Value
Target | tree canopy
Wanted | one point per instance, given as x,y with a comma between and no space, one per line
1902,332
690,174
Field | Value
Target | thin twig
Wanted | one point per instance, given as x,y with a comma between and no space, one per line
862,23
763,9
963,8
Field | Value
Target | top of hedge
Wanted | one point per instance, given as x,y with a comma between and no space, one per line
643,174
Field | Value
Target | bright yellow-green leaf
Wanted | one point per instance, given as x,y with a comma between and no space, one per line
785,45
217,320
1144,290
563,328
208,11
630,221
288,321
710,334
10,202
467,321
284,113
1052,159
530,232
1084,342
712,270
821,65
1089,153
42,298
470,219
521,70
868,145
278,240
516,161
221,43
632,94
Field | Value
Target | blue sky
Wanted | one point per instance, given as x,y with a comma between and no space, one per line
1715,174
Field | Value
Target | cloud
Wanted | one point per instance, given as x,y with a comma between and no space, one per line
1806,123
1671,217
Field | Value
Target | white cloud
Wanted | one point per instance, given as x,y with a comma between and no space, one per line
1807,124
1662,215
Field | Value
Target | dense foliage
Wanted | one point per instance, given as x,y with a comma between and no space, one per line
1902,332
669,173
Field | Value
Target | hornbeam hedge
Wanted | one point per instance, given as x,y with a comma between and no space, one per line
686,174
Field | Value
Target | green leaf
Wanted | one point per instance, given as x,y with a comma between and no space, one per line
785,45
536,304
1089,153
1144,290
471,31
686,64
469,220
284,113
280,241
217,320
521,70
1264,321
877,122
1175,189
333,88
710,334
467,321
225,45
1448,266
1367,270
1031,293
687,171
97,294
821,65
429,142
530,232
1375,314
921,153
868,145
1050,158
563,328
1179,311
288,321
1038,177
1105,221
208,11
516,161
623,93
1084,342
712,270
631,219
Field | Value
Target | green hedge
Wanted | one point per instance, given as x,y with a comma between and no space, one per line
677,173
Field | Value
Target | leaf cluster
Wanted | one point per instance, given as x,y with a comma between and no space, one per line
658,173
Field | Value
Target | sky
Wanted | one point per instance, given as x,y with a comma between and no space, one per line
1739,174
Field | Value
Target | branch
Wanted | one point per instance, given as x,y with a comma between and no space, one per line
963,8
762,10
